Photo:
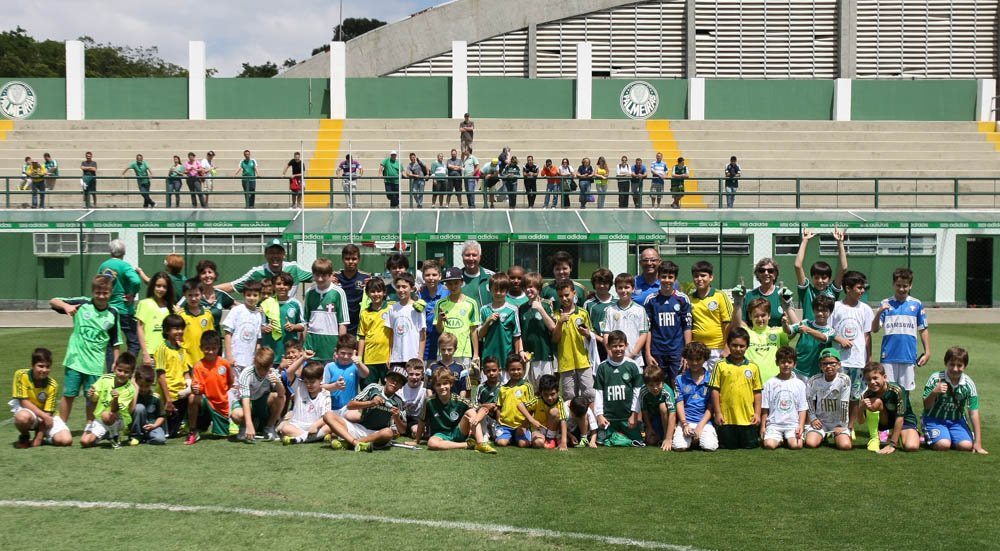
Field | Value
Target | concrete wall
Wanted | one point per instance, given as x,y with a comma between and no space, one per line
267,98
913,100
673,98
768,99
521,98
136,98
397,98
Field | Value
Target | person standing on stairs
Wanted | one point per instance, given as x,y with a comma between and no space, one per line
732,181
142,175
248,170
465,130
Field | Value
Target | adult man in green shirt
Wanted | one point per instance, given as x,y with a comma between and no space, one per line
126,281
475,278
248,169
142,175
389,169
274,256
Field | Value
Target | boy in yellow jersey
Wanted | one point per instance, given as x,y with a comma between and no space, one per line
570,335
373,335
34,404
197,320
114,397
546,414
173,370
736,395
711,312
510,421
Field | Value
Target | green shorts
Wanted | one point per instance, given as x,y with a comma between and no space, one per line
208,418
76,383
622,428
454,436
376,374
259,412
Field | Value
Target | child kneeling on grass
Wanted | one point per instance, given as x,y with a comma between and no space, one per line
893,406
546,414
656,408
262,398
581,423
783,409
947,396
114,397
828,395
148,421
616,392
310,402
34,404
449,419
212,377
372,419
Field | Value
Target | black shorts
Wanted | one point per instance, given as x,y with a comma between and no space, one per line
736,437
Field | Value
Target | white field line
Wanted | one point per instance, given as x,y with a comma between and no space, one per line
450,525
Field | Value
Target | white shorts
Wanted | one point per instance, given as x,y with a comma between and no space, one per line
901,374
357,430
537,368
58,425
779,434
709,440
827,431
301,425
102,431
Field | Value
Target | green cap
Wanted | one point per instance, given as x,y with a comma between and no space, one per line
829,353
276,242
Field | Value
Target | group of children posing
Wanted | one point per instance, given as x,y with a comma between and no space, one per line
558,369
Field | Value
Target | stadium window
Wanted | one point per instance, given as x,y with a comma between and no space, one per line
707,244
884,244
212,243
537,257
63,244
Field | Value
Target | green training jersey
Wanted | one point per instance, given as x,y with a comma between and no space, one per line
808,347
952,405
499,339
516,302
460,318
326,311
262,271
618,385
441,417
478,287
125,283
650,403
379,417
102,397
597,309
487,394
290,312
93,332
535,336
896,402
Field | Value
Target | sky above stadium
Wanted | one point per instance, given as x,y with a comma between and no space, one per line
252,31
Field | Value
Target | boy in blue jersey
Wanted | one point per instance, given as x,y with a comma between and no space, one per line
352,282
341,376
693,414
821,280
669,314
432,291
904,320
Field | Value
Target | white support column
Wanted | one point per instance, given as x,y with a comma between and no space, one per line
338,80
618,257
197,103
584,80
75,83
696,99
459,79
842,99
985,90
945,263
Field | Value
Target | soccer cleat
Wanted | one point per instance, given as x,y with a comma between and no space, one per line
363,447
852,435
234,429
485,447
133,441
270,435
115,444
337,444
873,444
327,438
582,443
287,440
471,443
192,438
23,443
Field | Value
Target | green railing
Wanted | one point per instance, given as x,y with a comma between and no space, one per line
753,192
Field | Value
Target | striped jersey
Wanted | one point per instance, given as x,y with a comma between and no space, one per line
902,322
650,403
42,393
952,405
630,320
895,402
829,401
378,417
327,311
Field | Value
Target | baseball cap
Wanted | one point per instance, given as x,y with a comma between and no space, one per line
452,274
400,378
829,353
276,242
495,161
393,152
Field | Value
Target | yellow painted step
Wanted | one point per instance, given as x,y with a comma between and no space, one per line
5,127
989,129
323,164
663,141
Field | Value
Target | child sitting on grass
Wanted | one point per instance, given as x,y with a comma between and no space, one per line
372,419
616,390
656,408
34,404
546,415
310,402
510,421
828,395
783,409
262,397
581,423
211,381
148,420
694,406
415,394
449,419
113,395
341,376
951,403
892,404
486,397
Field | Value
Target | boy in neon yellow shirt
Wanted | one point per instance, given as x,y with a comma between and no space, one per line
736,395
570,335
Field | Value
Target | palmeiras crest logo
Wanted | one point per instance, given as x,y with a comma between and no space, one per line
17,100
639,100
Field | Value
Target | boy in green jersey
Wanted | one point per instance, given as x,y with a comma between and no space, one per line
893,406
373,418
501,329
148,420
114,397
96,327
486,397
616,389
537,324
656,409
449,419
458,314
814,335
951,404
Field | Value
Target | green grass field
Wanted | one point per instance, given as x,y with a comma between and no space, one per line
809,499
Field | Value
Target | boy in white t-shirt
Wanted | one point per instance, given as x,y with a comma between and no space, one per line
414,394
244,326
309,402
581,423
852,320
629,317
784,407
409,332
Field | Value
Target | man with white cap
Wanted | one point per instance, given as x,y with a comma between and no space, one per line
389,169
274,256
